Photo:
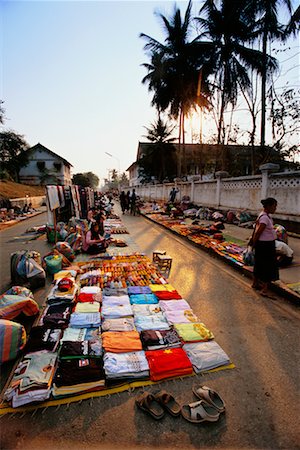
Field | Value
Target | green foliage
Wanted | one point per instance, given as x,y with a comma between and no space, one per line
86,179
13,153
159,159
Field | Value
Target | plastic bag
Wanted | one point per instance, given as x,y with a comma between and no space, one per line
248,256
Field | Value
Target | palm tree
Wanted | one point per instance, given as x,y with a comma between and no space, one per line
268,28
159,159
174,71
227,29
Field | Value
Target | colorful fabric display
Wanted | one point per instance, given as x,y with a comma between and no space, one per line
138,290
146,310
87,349
81,334
174,305
143,299
116,311
90,290
206,355
126,365
43,338
83,320
181,316
121,341
159,339
13,305
56,316
20,290
116,292
122,324
84,297
32,379
161,287
167,295
168,363
76,371
193,332
56,296
87,307
116,300
12,340
154,322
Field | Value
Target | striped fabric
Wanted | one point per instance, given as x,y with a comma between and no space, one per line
12,340
13,305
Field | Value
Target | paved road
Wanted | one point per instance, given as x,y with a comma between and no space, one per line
260,335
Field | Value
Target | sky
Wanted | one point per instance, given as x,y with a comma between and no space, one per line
71,76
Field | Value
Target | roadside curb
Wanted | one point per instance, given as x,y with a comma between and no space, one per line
16,222
278,287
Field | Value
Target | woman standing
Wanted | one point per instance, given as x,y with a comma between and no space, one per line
263,240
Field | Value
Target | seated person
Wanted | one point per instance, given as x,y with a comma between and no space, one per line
284,253
154,206
93,242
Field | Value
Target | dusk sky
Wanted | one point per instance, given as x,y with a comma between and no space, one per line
71,76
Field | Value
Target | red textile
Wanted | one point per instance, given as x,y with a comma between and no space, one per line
84,297
167,295
168,363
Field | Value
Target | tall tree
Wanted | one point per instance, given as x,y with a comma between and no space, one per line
13,153
174,71
86,179
227,29
159,159
268,28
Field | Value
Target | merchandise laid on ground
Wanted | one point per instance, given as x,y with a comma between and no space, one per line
110,323
207,236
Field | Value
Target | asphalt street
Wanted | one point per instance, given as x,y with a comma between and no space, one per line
260,335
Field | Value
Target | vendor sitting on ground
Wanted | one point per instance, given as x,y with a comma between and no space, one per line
93,242
284,253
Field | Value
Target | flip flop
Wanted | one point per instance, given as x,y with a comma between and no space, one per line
211,397
149,404
200,411
168,402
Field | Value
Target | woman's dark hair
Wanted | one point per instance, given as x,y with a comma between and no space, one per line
94,233
270,201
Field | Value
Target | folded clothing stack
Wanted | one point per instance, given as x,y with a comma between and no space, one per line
193,332
121,341
43,338
168,363
121,324
32,379
85,320
56,316
160,339
126,365
206,355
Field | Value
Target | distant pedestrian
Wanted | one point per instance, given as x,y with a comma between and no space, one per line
263,241
172,196
128,201
133,203
123,201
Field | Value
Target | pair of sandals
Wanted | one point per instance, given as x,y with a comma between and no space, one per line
207,409
156,404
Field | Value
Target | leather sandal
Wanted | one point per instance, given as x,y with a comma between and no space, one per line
200,411
168,402
211,397
149,404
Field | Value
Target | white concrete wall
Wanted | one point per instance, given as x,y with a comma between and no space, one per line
236,193
36,201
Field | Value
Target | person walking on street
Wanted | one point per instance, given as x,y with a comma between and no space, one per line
128,201
133,203
123,201
263,241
